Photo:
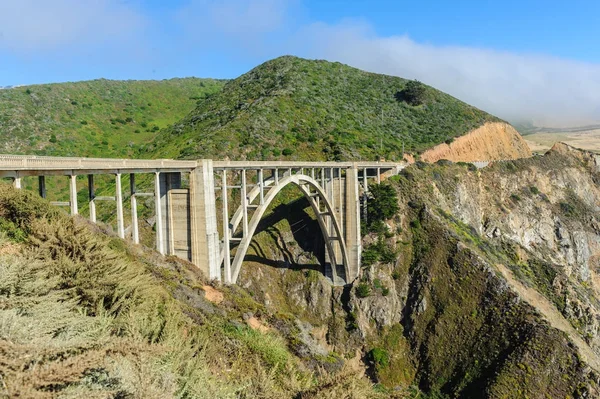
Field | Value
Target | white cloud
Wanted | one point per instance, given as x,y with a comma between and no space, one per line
244,23
30,26
517,87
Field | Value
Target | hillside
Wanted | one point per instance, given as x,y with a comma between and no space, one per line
482,284
95,118
292,108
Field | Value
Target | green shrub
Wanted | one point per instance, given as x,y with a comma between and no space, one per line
53,138
567,209
515,197
534,190
379,357
287,152
414,93
363,290
382,205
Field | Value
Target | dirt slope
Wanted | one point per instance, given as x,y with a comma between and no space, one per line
490,142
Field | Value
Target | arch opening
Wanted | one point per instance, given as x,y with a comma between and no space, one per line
327,221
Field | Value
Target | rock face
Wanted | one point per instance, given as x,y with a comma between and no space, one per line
442,314
491,142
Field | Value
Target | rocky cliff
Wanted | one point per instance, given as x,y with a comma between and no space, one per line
485,284
490,142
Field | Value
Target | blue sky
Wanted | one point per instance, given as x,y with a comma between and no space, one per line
523,60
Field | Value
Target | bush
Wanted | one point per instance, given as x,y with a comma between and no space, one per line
379,357
363,290
414,93
382,205
287,152
567,209
53,138
534,190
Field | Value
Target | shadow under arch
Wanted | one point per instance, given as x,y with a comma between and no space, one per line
304,229
306,185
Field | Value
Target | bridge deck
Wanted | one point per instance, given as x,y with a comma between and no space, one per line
27,165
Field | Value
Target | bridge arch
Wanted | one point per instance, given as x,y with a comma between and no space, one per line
306,184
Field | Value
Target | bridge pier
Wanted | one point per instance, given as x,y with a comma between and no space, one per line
73,194
42,186
92,198
205,251
352,227
135,232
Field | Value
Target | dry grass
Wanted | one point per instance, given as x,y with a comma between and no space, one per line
84,315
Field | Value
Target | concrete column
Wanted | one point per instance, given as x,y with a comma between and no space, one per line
276,173
135,232
17,183
365,183
261,185
73,193
244,199
203,213
226,229
341,198
42,186
158,215
378,175
119,200
352,230
92,196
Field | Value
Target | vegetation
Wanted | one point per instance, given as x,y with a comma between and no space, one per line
85,315
320,109
414,93
99,118
382,205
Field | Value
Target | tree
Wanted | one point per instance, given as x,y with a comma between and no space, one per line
382,205
414,93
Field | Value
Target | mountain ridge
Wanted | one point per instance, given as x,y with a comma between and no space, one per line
293,108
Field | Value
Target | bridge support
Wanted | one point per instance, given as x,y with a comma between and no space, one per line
73,192
352,227
92,198
135,232
205,251
119,201
42,186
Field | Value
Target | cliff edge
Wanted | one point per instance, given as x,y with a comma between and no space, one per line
491,142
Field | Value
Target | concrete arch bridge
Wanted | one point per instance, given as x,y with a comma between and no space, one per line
212,220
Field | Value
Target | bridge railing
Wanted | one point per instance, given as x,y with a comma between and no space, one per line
19,162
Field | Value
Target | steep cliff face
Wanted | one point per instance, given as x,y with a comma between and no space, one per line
492,290
492,141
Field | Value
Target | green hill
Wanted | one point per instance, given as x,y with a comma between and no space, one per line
94,118
292,108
